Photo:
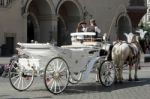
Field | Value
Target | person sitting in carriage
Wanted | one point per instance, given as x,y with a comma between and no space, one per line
94,28
82,27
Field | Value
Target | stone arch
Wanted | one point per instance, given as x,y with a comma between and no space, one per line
79,6
49,3
43,12
71,13
123,26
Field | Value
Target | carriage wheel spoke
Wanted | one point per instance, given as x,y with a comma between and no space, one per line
57,64
16,81
60,66
52,85
15,77
52,65
55,88
21,86
50,71
63,69
49,82
19,82
25,83
58,85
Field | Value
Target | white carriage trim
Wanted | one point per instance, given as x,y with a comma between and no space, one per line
35,45
83,34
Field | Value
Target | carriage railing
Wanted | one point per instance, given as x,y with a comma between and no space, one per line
85,36
35,45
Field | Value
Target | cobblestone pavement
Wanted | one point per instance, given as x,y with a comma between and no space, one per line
84,90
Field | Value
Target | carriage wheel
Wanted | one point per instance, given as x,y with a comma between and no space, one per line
56,75
20,79
107,73
75,78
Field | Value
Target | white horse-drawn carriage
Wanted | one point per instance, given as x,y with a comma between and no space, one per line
60,65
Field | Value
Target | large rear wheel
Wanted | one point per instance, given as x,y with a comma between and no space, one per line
56,75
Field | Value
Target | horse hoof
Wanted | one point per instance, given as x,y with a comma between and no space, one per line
115,82
139,67
120,82
130,79
136,79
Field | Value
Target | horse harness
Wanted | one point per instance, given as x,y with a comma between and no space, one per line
135,52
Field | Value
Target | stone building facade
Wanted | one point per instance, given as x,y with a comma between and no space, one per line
146,17
54,20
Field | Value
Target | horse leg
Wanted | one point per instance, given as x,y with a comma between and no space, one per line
130,68
116,75
135,75
120,73
139,67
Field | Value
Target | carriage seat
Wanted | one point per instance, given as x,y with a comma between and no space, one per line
84,38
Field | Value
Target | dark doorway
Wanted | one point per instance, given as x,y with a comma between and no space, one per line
30,30
8,47
61,32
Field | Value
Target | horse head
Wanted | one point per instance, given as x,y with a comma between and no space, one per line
143,39
130,37
142,33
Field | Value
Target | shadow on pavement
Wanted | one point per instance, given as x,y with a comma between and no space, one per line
95,87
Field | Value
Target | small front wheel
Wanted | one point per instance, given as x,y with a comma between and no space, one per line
107,73
56,75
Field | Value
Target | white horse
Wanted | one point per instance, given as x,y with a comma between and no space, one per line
126,52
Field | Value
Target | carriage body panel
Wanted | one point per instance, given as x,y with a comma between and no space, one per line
76,57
